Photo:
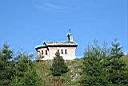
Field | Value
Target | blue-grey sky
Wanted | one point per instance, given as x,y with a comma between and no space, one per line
27,23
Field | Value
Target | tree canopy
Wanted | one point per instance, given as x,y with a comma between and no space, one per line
59,66
100,66
101,70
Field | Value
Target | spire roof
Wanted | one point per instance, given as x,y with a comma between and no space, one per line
69,43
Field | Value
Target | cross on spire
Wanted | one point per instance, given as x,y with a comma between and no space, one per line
70,36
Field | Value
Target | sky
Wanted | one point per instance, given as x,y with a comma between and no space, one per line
27,23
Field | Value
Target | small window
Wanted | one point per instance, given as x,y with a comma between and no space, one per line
46,52
62,51
38,52
42,52
65,51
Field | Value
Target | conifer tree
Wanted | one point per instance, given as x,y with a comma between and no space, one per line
6,65
25,74
116,50
118,71
93,71
59,66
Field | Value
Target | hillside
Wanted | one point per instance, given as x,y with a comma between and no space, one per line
26,72
43,69
70,79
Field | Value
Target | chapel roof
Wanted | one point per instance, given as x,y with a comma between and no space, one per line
56,44
68,43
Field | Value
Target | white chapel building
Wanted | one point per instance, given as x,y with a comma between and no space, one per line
67,49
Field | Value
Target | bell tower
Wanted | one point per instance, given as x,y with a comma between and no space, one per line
70,36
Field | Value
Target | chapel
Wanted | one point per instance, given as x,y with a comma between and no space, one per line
67,49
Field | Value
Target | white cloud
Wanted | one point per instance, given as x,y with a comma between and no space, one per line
53,4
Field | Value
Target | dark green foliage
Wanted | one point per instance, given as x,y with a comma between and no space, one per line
118,71
18,72
6,65
94,73
58,66
25,74
116,50
104,69
99,67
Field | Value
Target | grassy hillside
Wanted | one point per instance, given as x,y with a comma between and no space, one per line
70,79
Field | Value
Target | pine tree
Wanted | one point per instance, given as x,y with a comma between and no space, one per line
59,66
6,64
25,74
93,71
116,50
58,69
118,71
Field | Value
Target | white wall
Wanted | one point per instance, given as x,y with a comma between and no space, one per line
52,50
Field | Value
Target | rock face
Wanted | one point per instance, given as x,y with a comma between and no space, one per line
67,49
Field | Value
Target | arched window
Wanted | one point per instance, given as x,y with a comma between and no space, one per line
38,52
62,51
46,52
42,52
66,51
